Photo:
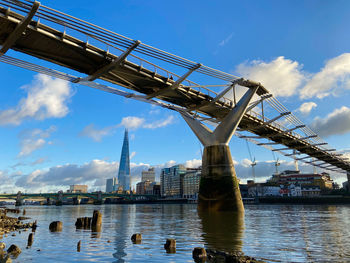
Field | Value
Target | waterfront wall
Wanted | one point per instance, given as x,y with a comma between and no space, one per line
306,200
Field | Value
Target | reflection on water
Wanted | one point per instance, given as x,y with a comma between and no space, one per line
121,229
222,230
275,233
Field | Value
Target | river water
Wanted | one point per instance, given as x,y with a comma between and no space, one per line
274,233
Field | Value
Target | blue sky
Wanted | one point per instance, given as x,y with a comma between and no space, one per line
293,47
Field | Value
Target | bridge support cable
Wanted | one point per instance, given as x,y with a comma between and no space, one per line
255,103
91,84
219,189
114,64
269,121
19,30
286,131
175,85
217,98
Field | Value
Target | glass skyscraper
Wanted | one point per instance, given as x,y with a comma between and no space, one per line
124,164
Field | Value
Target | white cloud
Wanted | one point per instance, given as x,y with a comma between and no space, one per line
33,140
96,134
160,123
130,122
92,173
195,163
281,76
46,98
284,77
39,161
226,40
307,107
337,122
132,155
334,77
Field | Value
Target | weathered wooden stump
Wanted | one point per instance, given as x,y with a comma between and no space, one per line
136,238
78,246
170,245
30,240
14,250
55,226
199,254
96,221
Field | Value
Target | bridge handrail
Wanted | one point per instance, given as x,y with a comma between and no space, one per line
90,29
116,41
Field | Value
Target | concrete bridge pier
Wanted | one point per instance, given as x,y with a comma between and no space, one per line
219,188
99,200
59,200
19,200
76,201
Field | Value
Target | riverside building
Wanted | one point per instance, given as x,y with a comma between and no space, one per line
179,182
170,181
147,188
142,186
78,188
190,183
111,185
323,180
148,175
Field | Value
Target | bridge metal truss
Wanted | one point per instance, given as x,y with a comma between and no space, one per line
94,196
96,53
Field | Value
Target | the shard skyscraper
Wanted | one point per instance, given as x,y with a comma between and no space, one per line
124,164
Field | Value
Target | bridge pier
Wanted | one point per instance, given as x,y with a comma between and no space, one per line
99,200
76,201
19,201
59,200
219,188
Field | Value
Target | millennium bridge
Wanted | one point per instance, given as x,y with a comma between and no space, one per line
135,70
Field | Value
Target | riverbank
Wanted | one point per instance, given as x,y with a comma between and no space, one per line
10,224
316,200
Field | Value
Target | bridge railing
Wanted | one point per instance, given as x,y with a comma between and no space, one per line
108,41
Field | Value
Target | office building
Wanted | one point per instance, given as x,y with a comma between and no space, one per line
124,164
190,183
149,175
142,186
111,185
171,181
78,188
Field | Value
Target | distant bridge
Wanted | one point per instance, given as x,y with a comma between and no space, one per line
61,196
96,53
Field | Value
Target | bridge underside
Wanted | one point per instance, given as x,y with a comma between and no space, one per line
54,46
